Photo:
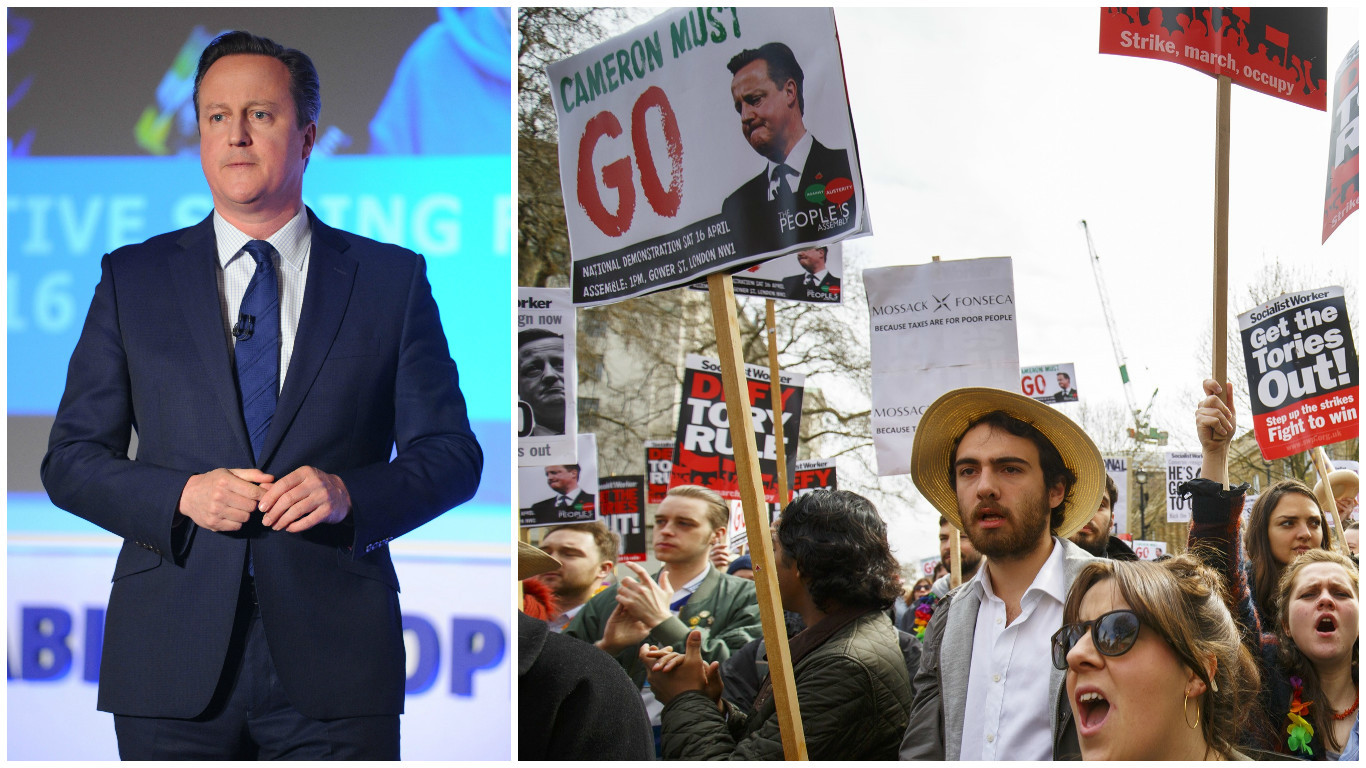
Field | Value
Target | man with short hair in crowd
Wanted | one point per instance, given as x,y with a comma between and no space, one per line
587,553
688,592
971,558
1017,477
572,702
1094,537
835,568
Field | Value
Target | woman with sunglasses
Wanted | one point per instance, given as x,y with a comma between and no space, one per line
1315,702
1155,667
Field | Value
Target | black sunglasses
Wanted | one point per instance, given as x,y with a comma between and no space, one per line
1113,634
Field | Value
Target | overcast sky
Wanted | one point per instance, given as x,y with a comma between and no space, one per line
993,132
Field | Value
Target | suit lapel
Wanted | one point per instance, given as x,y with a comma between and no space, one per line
955,661
331,276
194,278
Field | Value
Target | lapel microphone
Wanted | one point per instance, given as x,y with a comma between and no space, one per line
245,326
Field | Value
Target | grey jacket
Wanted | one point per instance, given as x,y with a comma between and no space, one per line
935,731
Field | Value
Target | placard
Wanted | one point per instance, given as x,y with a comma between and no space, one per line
1301,371
814,475
704,140
1343,194
1117,467
813,275
703,451
1180,468
621,505
1149,550
556,494
1278,51
659,459
547,377
1050,383
936,327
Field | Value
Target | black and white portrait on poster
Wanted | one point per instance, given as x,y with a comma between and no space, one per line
546,377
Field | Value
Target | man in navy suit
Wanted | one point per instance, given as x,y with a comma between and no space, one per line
805,191
815,283
269,364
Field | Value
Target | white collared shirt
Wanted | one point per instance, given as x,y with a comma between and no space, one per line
796,160
294,243
1009,702
559,623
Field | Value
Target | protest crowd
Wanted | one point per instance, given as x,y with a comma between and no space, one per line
1042,633
1059,641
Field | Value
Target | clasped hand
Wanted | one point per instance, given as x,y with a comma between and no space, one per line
672,673
224,499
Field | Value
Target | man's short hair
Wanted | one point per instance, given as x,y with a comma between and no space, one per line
718,513
782,66
535,334
839,544
303,77
1050,461
1067,376
607,541
943,521
573,467
1112,491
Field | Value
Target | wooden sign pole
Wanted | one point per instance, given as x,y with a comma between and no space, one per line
776,399
955,558
751,485
1221,151
1328,500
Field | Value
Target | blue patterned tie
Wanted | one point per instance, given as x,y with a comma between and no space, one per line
258,346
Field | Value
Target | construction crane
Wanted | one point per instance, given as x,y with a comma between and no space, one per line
1141,432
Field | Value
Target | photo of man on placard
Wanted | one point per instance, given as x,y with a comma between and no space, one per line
815,283
805,191
540,381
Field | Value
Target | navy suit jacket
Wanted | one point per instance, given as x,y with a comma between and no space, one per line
370,369
762,225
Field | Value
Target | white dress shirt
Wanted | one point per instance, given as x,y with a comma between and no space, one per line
293,244
1009,704
796,160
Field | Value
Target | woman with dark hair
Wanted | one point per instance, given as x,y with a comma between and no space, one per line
835,568
1285,522
1319,631
1155,667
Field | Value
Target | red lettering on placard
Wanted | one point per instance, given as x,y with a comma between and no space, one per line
705,385
615,175
665,202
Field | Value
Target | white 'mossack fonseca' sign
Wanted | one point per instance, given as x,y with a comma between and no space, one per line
936,327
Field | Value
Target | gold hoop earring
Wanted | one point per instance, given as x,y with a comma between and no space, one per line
1186,715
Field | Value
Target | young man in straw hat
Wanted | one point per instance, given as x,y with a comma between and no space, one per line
1017,477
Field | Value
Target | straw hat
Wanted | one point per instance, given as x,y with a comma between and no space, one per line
948,417
533,562
1345,484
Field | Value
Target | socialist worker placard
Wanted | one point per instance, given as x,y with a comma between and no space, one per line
1301,371
705,140
704,453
